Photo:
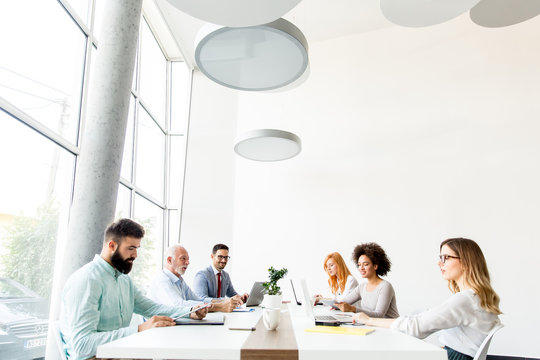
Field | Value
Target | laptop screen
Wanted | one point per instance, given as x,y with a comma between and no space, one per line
306,301
256,295
298,302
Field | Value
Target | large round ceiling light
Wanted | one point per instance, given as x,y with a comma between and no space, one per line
499,13
418,13
255,58
235,13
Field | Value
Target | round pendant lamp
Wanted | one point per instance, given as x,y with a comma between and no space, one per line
255,58
235,13
418,13
499,13
268,145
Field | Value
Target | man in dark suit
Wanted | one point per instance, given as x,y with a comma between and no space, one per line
214,282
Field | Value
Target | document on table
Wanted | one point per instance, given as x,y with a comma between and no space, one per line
340,330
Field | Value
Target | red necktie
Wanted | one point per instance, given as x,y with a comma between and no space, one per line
218,285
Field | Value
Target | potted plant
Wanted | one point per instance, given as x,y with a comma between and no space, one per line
272,298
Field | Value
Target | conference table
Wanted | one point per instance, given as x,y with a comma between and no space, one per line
290,341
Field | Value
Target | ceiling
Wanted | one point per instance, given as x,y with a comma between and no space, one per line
321,20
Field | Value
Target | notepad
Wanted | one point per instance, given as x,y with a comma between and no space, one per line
243,309
340,330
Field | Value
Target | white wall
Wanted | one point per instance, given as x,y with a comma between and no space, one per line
410,136
210,170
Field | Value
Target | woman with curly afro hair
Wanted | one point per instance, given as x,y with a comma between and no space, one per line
376,296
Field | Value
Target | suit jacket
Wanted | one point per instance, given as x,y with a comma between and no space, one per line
205,284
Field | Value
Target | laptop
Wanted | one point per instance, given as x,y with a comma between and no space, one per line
298,302
327,320
256,295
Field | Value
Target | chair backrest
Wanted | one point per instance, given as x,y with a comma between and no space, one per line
483,349
58,339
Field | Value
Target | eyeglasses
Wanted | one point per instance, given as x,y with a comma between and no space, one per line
221,257
445,257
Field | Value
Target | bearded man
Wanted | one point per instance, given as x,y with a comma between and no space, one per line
99,299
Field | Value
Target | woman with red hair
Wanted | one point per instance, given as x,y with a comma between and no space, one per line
340,279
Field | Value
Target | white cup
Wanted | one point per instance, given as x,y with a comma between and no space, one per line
271,318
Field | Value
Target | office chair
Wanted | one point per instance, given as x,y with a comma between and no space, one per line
58,339
483,349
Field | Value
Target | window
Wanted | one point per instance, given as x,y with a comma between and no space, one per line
153,75
44,71
154,153
150,253
35,189
150,156
41,70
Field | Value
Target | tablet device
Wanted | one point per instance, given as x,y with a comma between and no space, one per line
210,319
328,302
205,305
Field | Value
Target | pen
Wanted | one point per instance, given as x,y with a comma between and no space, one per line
246,329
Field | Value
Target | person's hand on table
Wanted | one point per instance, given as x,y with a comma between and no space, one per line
361,318
237,300
344,307
317,298
224,305
156,321
199,314
244,298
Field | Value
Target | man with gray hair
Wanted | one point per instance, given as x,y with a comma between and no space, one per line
169,288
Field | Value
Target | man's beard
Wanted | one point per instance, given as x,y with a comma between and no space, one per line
180,270
121,264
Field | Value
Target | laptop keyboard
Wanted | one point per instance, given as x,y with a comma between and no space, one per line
325,317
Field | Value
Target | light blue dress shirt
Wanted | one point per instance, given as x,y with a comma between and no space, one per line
97,304
169,289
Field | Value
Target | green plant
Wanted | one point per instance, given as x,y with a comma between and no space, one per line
274,275
28,246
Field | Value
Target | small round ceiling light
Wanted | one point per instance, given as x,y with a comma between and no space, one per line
235,13
268,145
418,13
499,13
255,58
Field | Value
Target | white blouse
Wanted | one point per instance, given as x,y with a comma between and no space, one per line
350,285
464,323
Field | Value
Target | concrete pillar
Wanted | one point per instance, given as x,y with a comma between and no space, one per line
99,163
100,160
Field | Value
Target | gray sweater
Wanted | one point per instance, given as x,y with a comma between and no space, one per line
380,302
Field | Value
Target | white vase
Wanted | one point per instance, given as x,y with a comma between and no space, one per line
272,301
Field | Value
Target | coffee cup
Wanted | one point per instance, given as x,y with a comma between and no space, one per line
271,318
